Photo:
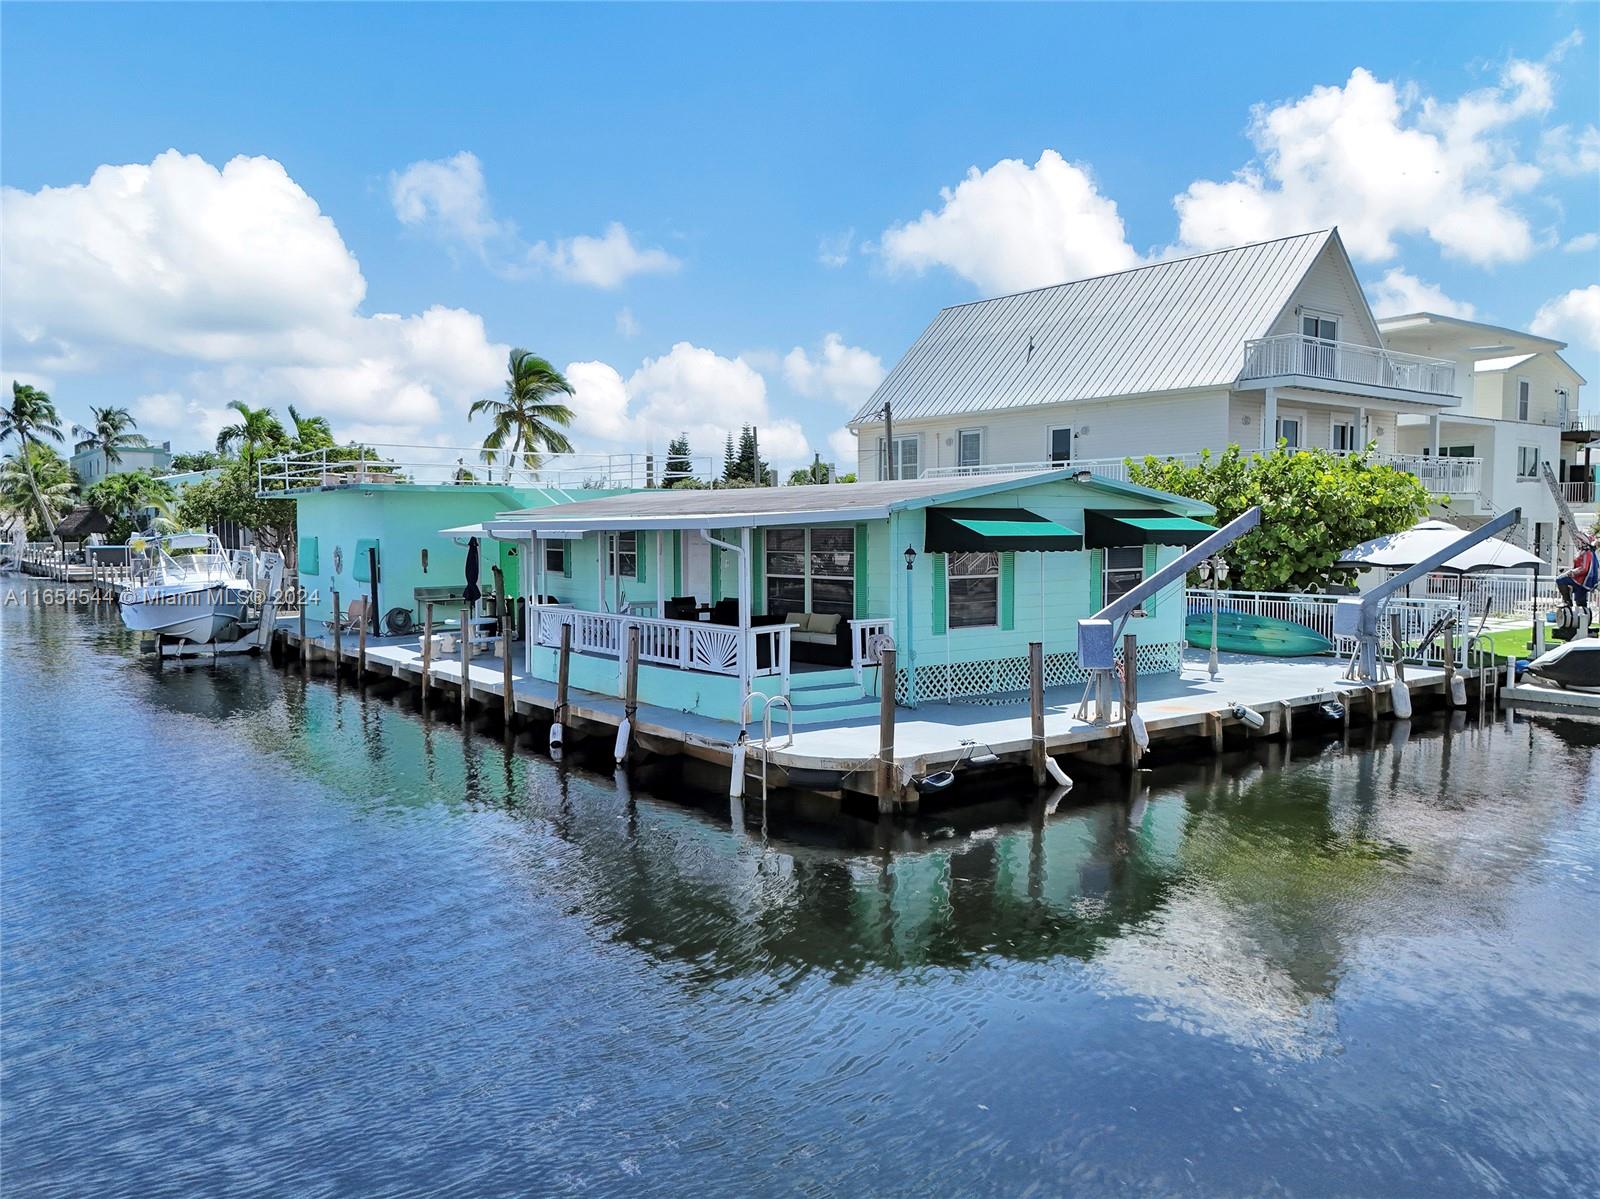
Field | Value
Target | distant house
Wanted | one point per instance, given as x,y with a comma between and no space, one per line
1267,342
91,465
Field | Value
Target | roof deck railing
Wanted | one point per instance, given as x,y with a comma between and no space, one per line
1441,476
1294,354
438,466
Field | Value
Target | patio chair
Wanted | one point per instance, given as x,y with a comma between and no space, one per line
351,619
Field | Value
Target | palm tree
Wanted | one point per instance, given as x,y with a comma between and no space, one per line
31,413
257,428
527,417
39,487
310,432
126,497
113,432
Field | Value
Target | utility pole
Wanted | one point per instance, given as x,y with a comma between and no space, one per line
888,440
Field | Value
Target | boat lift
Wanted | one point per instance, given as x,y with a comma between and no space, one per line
1356,616
1098,634
254,639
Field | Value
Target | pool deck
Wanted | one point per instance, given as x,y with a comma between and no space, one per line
932,735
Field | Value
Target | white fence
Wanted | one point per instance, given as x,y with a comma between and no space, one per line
1496,594
681,644
1346,362
1416,616
377,465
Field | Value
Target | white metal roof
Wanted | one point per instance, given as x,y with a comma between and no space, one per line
1502,364
1163,327
750,507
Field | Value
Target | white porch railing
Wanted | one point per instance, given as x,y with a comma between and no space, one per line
1290,354
379,465
862,636
681,644
1441,476
1416,615
1578,493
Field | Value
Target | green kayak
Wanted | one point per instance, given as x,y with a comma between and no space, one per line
1242,633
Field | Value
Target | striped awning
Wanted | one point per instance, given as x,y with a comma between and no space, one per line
976,530
1105,530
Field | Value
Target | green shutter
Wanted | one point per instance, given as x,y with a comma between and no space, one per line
861,572
758,570
1097,584
1008,591
566,558
306,555
1150,553
641,555
939,617
716,574
360,569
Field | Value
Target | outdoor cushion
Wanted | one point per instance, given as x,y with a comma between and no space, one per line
798,619
822,622
812,638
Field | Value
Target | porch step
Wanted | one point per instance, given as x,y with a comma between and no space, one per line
834,693
805,680
826,715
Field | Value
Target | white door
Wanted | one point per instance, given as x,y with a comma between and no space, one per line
696,567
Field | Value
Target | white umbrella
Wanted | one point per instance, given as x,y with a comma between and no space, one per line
1396,551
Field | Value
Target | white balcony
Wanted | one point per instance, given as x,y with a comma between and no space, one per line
1296,360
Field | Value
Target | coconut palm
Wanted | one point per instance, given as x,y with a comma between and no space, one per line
310,432
112,432
31,414
125,498
38,488
257,429
527,417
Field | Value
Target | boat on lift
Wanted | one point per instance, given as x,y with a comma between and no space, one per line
1572,666
194,589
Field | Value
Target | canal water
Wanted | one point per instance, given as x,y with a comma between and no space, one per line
262,936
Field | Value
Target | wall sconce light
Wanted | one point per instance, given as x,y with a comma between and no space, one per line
911,557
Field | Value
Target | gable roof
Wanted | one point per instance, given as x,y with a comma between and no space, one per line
750,507
1501,364
1163,327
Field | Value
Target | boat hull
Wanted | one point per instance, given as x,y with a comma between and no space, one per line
1246,633
1574,666
194,614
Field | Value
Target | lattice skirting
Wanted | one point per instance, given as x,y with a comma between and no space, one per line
1005,679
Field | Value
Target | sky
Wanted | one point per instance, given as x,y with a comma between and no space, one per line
711,216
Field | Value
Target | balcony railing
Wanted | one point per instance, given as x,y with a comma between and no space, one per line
1579,422
380,465
1581,494
1345,362
1441,476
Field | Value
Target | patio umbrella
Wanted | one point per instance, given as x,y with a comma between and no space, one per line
1396,551
472,592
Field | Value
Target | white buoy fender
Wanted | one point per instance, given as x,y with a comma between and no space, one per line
555,735
1458,691
1141,735
1400,699
736,773
624,735
1058,775
1249,716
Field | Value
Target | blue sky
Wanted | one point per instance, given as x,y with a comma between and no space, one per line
717,213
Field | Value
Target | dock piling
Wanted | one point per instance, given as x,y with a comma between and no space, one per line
630,694
1037,753
337,663
508,699
563,669
466,661
887,786
305,646
427,646
361,653
1132,722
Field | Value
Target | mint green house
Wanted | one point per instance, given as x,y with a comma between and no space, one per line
793,590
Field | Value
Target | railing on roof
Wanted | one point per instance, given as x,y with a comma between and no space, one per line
389,465
1346,362
1441,476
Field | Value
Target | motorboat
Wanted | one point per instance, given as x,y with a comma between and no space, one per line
191,590
1574,666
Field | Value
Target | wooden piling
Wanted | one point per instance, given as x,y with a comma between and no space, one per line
361,653
1214,731
563,668
305,646
1286,726
887,787
508,699
630,687
1130,697
466,660
1399,650
1036,711
427,646
336,640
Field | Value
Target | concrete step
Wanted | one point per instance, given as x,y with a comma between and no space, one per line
839,693
809,716
832,677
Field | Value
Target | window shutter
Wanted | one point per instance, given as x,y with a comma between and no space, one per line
716,574
1150,552
641,555
1097,582
361,568
566,558
1008,591
861,572
758,570
940,591
306,556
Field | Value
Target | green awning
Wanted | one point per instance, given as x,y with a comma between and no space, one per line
977,530
1105,530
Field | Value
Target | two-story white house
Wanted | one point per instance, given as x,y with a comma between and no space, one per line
90,463
1265,342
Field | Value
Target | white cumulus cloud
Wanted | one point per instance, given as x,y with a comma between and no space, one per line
1399,292
1380,160
449,198
1583,243
690,390
839,372
234,274
1573,317
1016,226
843,444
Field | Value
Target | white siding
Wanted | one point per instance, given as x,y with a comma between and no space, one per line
1330,288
